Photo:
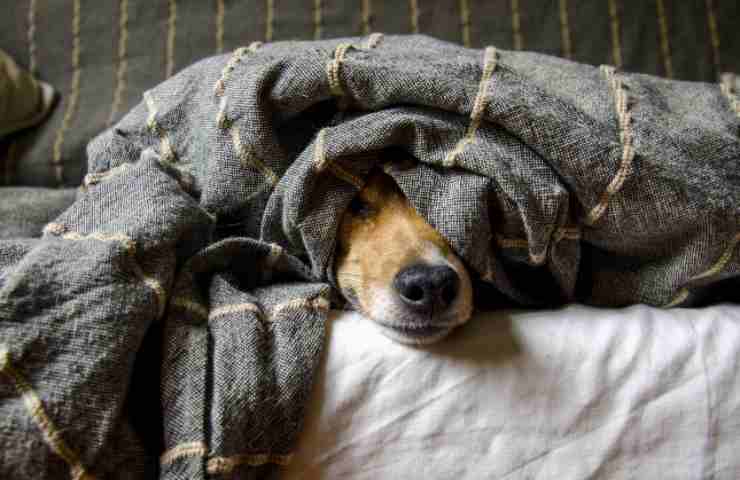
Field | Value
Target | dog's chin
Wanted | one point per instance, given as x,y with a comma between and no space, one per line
402,325
412,335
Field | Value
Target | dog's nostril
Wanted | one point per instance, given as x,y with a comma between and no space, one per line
414,293
427,287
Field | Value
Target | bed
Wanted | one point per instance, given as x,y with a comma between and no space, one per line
573,393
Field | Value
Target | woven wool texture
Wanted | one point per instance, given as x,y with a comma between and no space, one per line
210,210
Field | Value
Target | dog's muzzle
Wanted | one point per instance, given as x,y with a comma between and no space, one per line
427,289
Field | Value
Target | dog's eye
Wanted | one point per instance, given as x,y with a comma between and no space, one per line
359,207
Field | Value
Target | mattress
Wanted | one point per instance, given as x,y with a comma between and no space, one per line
571,393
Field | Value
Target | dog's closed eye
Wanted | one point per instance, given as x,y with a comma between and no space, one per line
360,208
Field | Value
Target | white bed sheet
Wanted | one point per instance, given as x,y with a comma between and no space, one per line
567,394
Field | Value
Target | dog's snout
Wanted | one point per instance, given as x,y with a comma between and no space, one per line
427,288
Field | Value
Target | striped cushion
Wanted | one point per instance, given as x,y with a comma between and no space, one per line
103,55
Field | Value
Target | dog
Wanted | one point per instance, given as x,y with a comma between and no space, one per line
396,269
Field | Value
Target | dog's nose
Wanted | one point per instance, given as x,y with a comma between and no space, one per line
427,288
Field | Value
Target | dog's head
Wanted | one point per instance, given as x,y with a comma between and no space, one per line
398,270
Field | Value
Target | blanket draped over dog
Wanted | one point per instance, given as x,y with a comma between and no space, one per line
187,285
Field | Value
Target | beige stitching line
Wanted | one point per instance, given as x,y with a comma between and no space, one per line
124,240
130,248
343,174
333,67
183,450
32,64
519,243
367,12
221,465
122,62
665,45
722,261
225,465
727,86
319,153
247,159
625,137
567,233
318,303
54,228
317,28
565,42
616,42
504,242
373,41
236,57
35,408
73,96
516,25
414,16
680,297
465,22
171,34
479,107
94,178
561,233
166,151
220,26
538,258
128,245
269,20
321,162
222,120
713,270
714,37
236,308
191,306
276,251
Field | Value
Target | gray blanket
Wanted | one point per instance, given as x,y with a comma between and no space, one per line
201,244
